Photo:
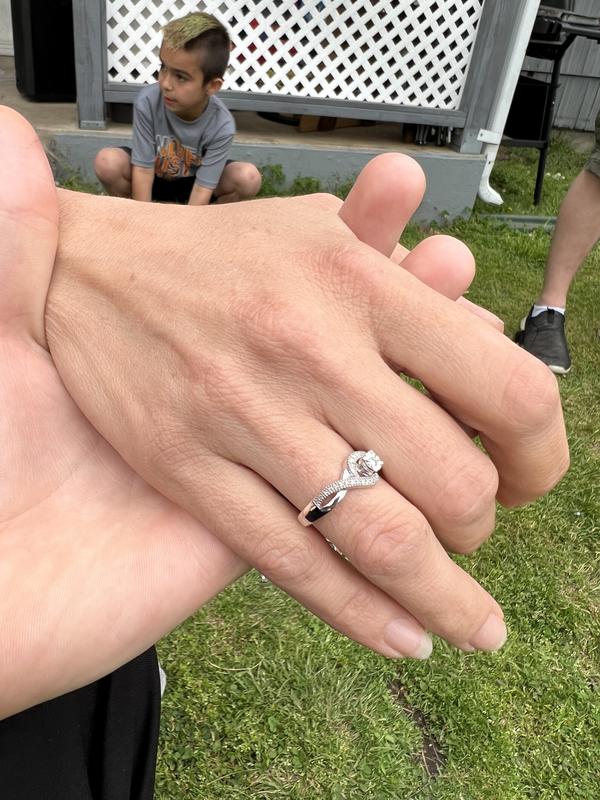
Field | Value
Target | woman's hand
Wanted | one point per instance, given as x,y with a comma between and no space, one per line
236,355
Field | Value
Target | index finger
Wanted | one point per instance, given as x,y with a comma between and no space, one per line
480,377
385,195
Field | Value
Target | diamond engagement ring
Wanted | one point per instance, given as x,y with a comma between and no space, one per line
361,469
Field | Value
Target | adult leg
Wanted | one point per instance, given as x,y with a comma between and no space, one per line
240,181
113,169
542,331
577,231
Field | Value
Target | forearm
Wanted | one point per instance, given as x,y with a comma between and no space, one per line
200,195
142,179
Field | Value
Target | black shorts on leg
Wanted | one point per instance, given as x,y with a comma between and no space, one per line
96,743
175,191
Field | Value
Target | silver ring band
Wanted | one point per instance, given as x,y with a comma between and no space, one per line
362,468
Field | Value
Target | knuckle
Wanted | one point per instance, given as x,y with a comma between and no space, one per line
467,500
216,387
171,454
546,482
286,561
326,201
212,380
347,268
531,397
390,548
468,546
357,608
278,331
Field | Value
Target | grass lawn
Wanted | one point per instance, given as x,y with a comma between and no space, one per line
265,701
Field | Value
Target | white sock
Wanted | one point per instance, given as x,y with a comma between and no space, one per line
540,310
163,680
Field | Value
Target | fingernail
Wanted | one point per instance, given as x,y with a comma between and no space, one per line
491,636
407,640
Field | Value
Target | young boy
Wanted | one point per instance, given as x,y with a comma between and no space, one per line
182,132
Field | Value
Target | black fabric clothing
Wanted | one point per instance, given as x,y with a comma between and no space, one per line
177,190
96,743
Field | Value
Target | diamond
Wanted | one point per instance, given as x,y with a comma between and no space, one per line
370,463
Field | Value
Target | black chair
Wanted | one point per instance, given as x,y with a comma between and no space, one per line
529,122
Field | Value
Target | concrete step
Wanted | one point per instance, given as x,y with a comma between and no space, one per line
331,157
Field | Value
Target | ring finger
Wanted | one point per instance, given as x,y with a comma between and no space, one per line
383,535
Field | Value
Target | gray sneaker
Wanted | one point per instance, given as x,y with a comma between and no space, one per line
544,336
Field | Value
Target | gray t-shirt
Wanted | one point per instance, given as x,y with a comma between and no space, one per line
180,149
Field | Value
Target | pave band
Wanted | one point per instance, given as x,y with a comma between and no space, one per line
362,468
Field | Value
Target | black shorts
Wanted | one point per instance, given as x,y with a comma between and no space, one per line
96,743
177,190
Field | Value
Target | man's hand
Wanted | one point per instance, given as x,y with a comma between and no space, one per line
236,355
95,565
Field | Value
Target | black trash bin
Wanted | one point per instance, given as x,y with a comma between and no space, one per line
44,49
526,116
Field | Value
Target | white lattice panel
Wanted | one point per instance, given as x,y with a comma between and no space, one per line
406,52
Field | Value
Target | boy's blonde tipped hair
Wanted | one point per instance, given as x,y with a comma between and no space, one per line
203,33
178,32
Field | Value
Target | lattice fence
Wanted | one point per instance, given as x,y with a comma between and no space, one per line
413,53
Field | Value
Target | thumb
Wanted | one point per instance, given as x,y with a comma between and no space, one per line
28,227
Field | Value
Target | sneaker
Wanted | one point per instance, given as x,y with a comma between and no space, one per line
544,336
